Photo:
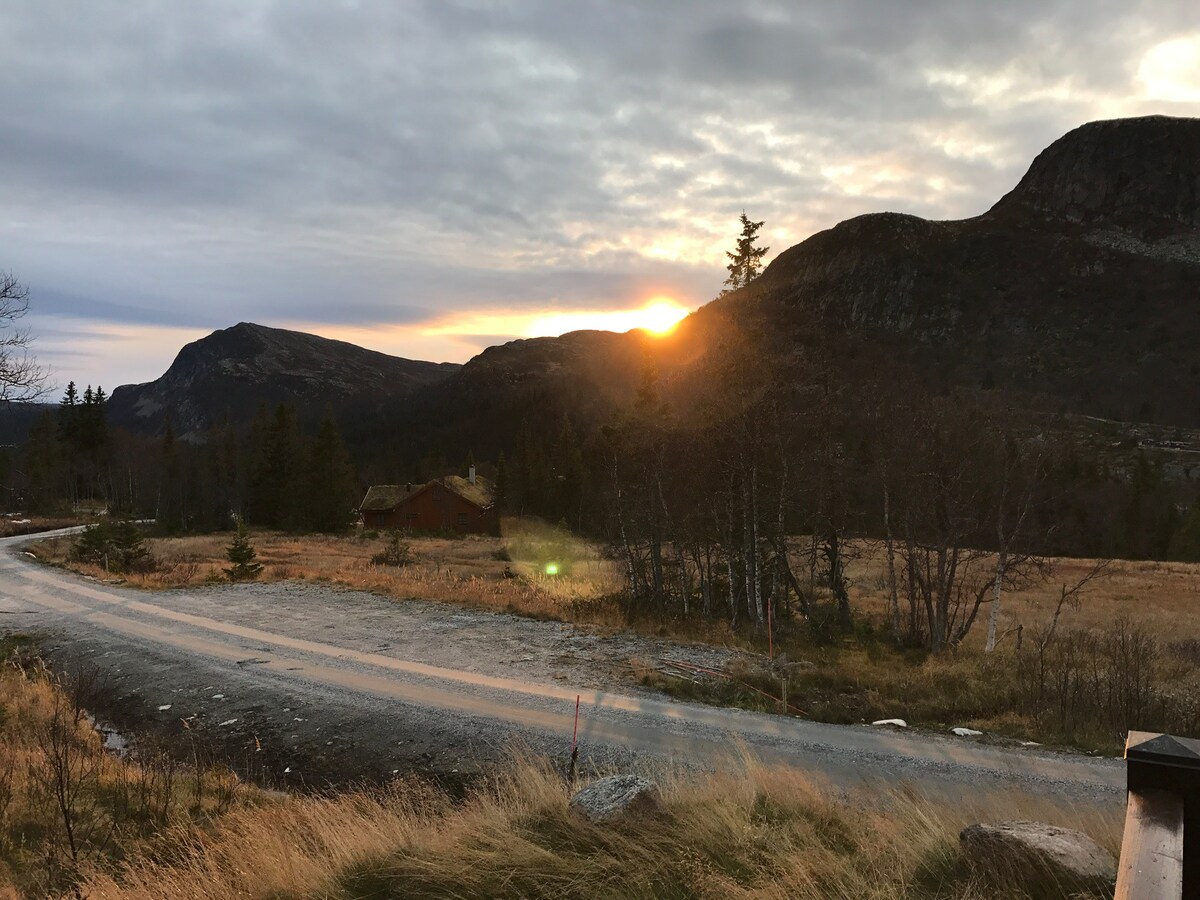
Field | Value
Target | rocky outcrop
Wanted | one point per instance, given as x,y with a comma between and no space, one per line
1033,853
1133,173
1075,293
607,799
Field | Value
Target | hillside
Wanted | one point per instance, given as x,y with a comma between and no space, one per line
1075,294
235,370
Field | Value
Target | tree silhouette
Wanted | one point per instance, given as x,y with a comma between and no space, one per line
746,263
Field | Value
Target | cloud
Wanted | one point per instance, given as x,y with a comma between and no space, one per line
368,164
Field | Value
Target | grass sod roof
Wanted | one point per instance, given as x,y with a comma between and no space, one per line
385,497
481,493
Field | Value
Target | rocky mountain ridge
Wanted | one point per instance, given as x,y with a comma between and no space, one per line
233,371
1077,293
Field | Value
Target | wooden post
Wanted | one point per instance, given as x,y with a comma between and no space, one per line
1160,852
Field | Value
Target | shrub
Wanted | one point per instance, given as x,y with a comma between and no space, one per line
1109,682
115,545
394,553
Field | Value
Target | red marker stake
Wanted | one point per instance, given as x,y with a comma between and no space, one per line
575,733
574,737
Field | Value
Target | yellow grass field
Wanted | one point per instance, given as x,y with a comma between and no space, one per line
853,678
1161,597
506,574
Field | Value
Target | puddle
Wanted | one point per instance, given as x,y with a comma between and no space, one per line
114,741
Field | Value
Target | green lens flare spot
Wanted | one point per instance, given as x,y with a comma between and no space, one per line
551,568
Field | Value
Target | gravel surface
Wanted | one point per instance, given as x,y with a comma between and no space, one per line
305,684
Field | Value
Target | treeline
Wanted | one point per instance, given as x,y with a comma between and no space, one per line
749,504
273,474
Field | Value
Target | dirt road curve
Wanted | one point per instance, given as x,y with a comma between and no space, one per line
372,683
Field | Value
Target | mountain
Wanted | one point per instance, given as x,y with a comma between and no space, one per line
1076,293
232,372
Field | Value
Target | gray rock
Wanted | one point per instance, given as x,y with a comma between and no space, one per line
1039,853
616,796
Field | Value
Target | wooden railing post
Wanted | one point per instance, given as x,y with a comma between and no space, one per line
1160,851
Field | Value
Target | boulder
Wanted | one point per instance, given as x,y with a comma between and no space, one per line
615,796
1035,853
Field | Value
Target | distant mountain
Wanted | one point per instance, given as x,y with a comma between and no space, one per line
234,371
1077,293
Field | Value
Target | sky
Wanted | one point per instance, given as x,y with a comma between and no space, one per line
430,178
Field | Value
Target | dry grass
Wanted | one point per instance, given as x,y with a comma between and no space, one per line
470,570
753,832
1162,597
67,805
853,679
19,523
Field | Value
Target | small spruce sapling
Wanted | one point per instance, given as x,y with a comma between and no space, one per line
241,553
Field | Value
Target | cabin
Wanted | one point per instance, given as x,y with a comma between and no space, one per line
453,503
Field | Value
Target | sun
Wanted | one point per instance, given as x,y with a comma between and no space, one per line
659,316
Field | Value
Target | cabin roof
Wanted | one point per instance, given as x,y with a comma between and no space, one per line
385,497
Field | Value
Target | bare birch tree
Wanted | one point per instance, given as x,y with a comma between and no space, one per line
22,379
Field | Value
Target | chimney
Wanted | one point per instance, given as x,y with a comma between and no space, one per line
471,474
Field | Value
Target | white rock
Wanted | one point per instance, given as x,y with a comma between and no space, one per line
1034,851
164,707
966,732
227,722
899,723
615,796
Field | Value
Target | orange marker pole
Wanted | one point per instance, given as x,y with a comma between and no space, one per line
575,734
574,738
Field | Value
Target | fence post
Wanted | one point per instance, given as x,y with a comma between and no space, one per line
1160,852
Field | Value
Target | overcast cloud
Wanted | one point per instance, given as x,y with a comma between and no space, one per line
367,168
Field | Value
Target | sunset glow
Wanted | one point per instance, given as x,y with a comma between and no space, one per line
658,316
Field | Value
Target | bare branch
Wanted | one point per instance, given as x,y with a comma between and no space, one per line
22,379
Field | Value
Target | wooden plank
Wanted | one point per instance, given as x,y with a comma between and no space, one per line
1151,866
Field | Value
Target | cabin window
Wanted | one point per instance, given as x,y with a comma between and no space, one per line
462,518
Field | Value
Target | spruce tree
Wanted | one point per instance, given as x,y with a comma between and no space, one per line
277,499
331,487
243,556
570,474
746,263
43,465
170,514
68,419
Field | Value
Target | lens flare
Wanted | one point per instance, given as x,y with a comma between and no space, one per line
660,316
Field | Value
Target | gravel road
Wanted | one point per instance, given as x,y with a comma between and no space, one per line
316,685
